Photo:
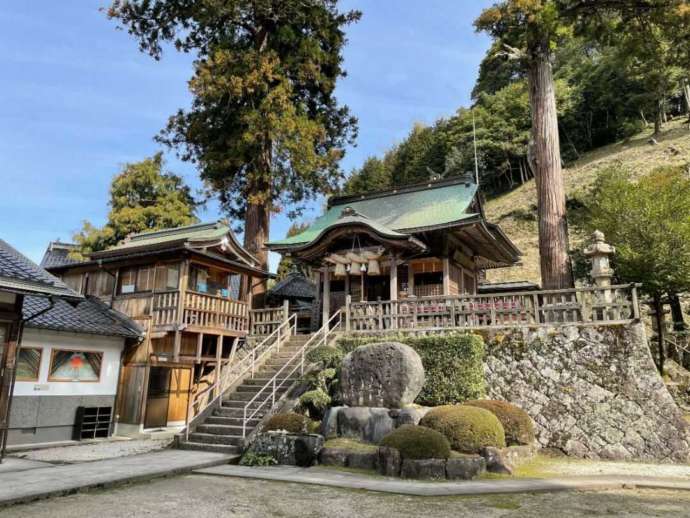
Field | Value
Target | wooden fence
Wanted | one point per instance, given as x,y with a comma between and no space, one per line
579,305
264,321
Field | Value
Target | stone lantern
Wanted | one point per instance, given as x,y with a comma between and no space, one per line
600,251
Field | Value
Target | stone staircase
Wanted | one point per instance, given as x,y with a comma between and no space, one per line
222,431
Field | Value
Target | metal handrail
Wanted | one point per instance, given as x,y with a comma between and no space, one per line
246,365
301,353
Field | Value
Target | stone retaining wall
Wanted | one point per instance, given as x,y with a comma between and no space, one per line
593,391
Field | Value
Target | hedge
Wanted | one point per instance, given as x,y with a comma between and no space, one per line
453,364
290,422
517,423
467,428
417,442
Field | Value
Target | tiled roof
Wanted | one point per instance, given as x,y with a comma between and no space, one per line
398,211
294,285
21,275
198,232
57,254
91,316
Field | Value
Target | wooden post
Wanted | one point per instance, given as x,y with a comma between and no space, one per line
348,301
199,343
182,289
177,345
219,357
326,295
410,280
286,309
446,276
394,278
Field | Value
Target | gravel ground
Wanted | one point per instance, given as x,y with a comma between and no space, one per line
574,468
198,495
94,451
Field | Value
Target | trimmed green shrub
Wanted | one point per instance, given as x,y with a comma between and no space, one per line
326,355
517,423
467,428
290,422
453,364
315,402
417,442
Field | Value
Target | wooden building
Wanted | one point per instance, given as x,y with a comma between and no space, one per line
424,240
189,288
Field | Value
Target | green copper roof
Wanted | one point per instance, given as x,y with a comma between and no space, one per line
403,210
199,232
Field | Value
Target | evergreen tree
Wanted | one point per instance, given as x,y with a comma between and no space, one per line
264,127
142,197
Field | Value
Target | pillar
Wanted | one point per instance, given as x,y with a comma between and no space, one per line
326,295
394,278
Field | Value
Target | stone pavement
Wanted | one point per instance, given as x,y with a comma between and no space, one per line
332,478
11,464
49,480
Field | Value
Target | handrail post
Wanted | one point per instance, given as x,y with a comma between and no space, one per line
301,367
244,422
348,301
635,303
273,394
253,360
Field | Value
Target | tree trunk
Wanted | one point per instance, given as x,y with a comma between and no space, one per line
659,317
556,271
686,96
658,118
676,312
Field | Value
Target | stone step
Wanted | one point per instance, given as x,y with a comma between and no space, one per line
212,438
223,429
237,412
262,381
229,421
249,395
227,449
240,404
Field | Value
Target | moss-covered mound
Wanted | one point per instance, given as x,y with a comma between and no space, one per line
417,442
467,428
290,422
517,424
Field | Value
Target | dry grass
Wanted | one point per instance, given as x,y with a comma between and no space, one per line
516,211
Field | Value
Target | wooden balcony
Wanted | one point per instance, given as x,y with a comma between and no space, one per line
199,312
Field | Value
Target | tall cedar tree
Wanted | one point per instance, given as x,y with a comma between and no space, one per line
142,197
530,30
264,127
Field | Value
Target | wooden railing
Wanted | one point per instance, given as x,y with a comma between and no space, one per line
201,309
582,305
264,321
165,307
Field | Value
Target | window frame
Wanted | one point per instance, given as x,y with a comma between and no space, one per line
38,370
55,350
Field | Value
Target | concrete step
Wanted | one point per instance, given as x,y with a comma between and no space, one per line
229,421
257,383
240,403
212,438
227,449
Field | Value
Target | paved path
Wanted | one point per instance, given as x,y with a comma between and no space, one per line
328,477
11,464
42,482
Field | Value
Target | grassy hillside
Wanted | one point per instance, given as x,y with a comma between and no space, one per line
516,211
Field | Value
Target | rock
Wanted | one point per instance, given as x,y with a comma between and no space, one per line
465,467
411,415
517,454
387,374
329,423
496,461
423,469
333,457
362,460
364,423
389,462
289,449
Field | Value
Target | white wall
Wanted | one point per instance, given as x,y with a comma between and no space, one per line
49,340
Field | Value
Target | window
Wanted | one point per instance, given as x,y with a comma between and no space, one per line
75,366
28,364
145,278
128,281
167,277
100,284
235,286
213,282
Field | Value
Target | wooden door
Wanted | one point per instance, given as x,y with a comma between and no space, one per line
158,397
179,394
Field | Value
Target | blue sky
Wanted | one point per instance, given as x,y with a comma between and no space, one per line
79,100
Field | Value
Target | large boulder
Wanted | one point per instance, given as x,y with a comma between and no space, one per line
288,448
387,374
364,423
